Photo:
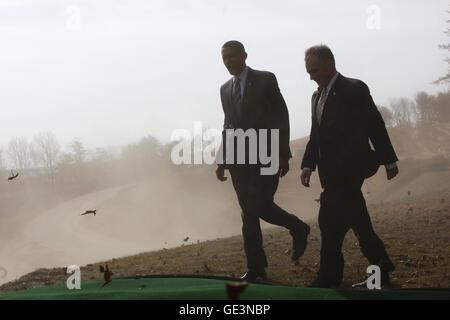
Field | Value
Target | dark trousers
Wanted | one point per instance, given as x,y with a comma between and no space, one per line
255,194
342,209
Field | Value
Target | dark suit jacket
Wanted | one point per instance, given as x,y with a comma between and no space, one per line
263,107
340,145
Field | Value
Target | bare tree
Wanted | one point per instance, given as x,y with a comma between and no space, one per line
387,116
405,112
47,149
102,155
445,78
427,109
78,150
443,106
35,158
18,152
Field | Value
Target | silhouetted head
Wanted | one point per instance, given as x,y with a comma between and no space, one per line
234,56
320,65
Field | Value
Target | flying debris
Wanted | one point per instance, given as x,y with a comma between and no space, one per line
89,212
360,284
13,176
234,290
409,193
317,200
186,239
106,274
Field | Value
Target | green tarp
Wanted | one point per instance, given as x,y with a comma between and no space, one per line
199,288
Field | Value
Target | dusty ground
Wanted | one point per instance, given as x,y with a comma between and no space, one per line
416,233
148,215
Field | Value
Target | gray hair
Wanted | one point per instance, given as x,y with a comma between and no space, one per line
322,51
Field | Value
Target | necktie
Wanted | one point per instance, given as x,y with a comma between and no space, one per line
237,97
320,104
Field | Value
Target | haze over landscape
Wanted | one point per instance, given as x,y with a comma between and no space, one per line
42,225
110,72
92,91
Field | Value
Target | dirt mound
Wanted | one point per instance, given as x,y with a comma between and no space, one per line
415,233
155,214
129,219
418,143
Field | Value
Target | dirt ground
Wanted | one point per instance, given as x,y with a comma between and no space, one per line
416,233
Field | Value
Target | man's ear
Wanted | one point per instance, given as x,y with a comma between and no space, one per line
331,65
245,56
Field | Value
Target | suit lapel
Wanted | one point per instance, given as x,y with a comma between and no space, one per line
248,83
333,91
247,88
331,101
314,101
229,105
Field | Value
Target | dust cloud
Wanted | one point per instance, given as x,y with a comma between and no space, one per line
42,224
145,203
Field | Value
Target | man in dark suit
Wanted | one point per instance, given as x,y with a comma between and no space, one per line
251,100
344,118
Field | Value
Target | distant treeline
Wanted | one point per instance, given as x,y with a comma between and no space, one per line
47,174
43,157
424,109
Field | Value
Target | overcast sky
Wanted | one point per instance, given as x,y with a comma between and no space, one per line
109,72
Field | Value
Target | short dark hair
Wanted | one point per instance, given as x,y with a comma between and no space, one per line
322,51
234,44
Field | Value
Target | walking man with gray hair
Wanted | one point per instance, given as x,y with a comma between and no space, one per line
344,119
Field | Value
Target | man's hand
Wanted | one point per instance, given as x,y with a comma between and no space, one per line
305,177
391,172
284,166
220,173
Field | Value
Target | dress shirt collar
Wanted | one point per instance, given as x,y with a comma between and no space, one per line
242,76
331,83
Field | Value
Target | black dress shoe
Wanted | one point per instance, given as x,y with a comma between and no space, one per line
386,266
314,284
252,275
385,280
299,241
